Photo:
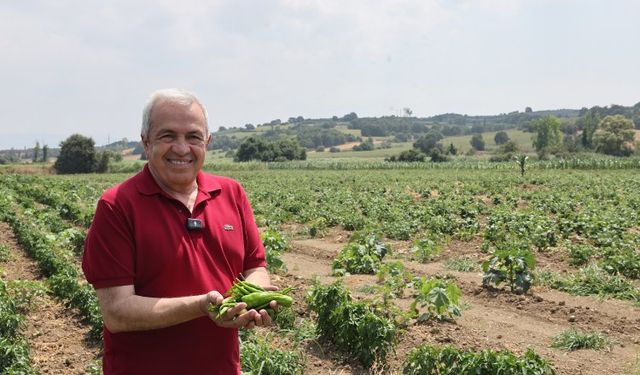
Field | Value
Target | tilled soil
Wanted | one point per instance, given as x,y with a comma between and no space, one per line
491,319
56,336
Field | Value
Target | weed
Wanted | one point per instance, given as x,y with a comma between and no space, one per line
573,339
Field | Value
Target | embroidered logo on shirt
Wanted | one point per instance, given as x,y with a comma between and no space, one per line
228,227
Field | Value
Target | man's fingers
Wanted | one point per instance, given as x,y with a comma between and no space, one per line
265,318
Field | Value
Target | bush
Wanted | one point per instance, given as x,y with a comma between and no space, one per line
77,155
365,334
362,256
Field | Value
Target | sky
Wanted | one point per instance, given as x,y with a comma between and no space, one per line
88,66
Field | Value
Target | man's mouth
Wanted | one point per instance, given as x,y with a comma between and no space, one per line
178,162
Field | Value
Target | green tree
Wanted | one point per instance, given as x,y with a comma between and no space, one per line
77,155
45,153
589,123
477,142
615,136
452,150
428,141
253,148
257,148
102,161
501,137
508,147
36,152
548,134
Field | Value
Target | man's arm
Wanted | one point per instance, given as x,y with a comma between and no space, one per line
124,311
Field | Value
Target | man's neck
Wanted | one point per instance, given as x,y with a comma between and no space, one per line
186,194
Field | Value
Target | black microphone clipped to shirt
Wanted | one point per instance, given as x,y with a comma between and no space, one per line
194,224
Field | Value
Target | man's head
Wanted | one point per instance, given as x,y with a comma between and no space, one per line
169,95
175,137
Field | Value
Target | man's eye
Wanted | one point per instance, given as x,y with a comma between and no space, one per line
194,139
166,138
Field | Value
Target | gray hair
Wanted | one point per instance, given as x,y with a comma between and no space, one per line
178,96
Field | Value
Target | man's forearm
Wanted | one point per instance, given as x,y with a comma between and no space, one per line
125,311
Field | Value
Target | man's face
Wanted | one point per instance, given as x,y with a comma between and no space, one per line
176,145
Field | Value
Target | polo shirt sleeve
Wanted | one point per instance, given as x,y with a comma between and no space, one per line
109,250
254,249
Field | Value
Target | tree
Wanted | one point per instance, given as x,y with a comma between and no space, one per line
36,152
548,134
102,161
528,110
477,142
350,117
615,136
589,123
249,127
501,137
408,156
452,150
428,141
45,153
257,148
508,147
77,155
407,112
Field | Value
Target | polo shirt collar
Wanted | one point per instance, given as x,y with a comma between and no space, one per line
147,185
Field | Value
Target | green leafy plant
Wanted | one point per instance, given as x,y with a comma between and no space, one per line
579,254
512,266
5,253
366,334
425,250
259,356
274,245
363,255
438,298
448,360
573,339
521,160
394,279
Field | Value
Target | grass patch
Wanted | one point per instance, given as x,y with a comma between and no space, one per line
463,264
5,253
593,280
573,339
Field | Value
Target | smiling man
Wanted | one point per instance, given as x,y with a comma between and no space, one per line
160,250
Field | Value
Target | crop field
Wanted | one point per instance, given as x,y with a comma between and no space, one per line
397,271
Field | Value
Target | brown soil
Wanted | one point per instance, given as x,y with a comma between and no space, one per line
56,335
491,319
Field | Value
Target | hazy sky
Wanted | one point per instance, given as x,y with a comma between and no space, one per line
89,66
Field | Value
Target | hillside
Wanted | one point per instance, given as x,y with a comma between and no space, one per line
389,134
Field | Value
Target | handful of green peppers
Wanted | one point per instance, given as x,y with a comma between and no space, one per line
253,295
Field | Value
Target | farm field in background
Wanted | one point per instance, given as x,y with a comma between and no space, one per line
405,230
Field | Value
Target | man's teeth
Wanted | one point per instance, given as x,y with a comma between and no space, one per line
179,162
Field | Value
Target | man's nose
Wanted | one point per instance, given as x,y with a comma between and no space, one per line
180,146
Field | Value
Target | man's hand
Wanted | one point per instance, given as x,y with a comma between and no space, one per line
238,316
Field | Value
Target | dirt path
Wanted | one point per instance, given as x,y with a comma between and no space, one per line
56,336
497,319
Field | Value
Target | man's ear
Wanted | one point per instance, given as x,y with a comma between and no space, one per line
209,139
145,145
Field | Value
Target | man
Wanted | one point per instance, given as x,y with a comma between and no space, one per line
165,244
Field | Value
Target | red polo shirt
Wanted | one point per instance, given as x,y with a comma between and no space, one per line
139,237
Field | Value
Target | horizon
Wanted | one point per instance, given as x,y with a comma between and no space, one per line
91,70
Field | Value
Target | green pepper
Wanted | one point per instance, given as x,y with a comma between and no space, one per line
260,299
